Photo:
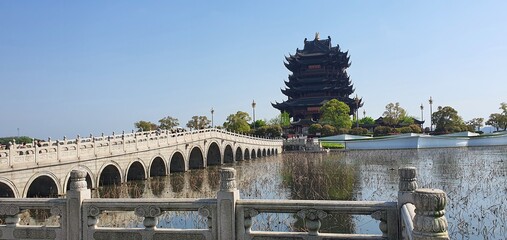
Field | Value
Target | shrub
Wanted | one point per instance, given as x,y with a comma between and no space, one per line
358,131
328,130
342,131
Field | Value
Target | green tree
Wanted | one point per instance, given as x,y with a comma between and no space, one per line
499,120
270,131
336,114
475,123
145,126
394,114
315,128
238,122
168,123
447,120
406,120
198,122
258,124
367,120
283,120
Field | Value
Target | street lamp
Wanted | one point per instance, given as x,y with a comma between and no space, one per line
253,110
356,99
431,114
212,111
422,116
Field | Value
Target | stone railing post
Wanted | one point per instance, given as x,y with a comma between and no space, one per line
407,185
429,220
78,147
75,196
226,204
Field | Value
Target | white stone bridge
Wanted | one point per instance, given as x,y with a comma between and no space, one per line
44,170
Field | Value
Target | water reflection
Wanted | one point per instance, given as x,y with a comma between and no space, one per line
475,180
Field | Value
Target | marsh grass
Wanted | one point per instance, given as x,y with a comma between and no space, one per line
474,179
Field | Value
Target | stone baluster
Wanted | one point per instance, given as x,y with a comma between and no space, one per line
78,146
150,215
429,220
312,218
58,153
11,153
407,185
123,141
226,204
109,144
78,192
249,213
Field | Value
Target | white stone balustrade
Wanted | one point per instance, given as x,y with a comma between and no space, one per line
227,216
153,152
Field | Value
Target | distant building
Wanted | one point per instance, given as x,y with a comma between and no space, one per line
318,74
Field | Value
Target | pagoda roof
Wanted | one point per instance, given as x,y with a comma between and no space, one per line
316,88
303,102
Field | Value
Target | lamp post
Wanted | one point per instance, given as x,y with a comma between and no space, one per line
253,110
431,114
356,99
422,117
212,111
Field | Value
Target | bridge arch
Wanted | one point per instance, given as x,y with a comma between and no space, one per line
264,152
43,184
177,163
246,154
253,155
259,153
7,189
213,157
196,159
89,177
239,154
158,167
135,171
110,173
228,154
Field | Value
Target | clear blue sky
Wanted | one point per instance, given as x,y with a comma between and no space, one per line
69,67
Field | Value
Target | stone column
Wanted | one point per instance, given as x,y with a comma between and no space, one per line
407,185
75,196
226,204
429,220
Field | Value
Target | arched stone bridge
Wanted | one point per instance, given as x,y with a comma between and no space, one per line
31,170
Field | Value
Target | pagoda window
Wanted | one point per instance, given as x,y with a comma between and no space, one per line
313,67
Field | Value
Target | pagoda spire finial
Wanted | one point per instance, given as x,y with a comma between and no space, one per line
317,36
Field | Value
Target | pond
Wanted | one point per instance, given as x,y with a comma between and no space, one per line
475,180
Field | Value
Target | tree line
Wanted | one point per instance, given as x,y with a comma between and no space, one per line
335,119
238,122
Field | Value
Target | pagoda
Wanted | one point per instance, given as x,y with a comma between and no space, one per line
318,74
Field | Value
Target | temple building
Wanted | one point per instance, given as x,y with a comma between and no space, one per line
318,74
